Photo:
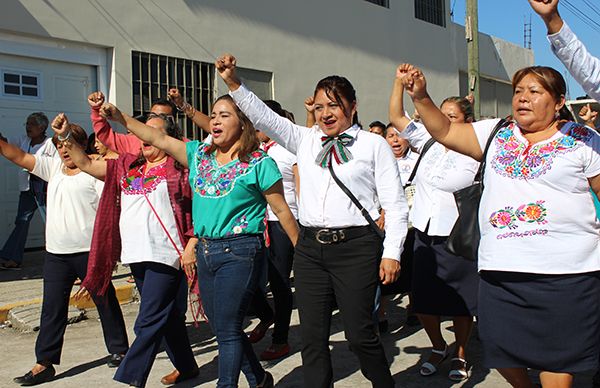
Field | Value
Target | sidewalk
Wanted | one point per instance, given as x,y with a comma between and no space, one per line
21,292
83,362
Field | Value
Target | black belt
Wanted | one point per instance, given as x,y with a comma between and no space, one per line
334,236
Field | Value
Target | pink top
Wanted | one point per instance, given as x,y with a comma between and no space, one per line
118,142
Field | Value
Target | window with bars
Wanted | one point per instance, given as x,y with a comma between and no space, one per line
21,84
153,75
431,11
383,3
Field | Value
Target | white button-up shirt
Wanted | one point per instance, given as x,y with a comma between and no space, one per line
440,173
584,67
372,173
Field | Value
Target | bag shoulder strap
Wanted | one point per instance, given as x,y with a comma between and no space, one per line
157,216
356,202
479,175
426,147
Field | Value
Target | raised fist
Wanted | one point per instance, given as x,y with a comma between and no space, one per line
60,124
309,104
96,100
544,8
587,114
225,65
175,96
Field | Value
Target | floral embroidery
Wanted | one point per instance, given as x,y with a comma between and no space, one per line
213,180
136,183
239,224
514,159
530,213
504,218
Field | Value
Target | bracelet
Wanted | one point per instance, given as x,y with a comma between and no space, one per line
60,138
187,109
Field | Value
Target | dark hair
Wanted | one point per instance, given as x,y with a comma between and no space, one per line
550,79
91,144
40,118
172,130
377,123
290,116
387,129
275,107
77,133
169,103
337,87
464,105
249,141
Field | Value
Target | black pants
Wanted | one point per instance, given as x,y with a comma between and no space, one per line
280,255
60,271
346,273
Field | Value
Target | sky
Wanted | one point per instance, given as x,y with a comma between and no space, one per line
505,19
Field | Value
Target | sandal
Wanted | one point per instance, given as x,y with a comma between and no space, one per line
428,368
459,369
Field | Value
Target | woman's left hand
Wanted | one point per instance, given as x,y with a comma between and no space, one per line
82,293
188,258
389,269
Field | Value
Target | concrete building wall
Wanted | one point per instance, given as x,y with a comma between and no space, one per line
298,42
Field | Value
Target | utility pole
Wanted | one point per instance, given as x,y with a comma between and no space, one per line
472,35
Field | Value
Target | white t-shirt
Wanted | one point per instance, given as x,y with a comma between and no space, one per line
142,236
70,206
439,175
285,162
537,214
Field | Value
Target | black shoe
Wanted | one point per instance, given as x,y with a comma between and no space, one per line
114,360
30,379
412,320
384,326
596,380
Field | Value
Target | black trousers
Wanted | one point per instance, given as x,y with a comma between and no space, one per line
60,271
280,255
346,273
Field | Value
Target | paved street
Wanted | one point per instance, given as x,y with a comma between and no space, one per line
83,364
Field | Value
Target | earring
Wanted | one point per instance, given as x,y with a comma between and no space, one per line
242,127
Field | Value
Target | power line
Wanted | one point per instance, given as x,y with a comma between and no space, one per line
593,7
581,15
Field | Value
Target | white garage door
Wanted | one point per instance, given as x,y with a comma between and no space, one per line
37,85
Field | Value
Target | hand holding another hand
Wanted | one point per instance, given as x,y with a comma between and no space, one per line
111,112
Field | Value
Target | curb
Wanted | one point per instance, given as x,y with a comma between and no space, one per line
125,294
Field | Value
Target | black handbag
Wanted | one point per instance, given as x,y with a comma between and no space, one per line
464,237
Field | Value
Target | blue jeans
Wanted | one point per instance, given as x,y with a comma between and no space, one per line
29,201
229,270
163,305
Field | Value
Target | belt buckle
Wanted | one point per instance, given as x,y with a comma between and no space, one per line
318,236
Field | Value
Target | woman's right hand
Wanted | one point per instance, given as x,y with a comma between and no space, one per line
225,65
95,100
176,97
111,112
188,258
60,124
413,80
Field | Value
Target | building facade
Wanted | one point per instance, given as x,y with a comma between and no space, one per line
54,53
